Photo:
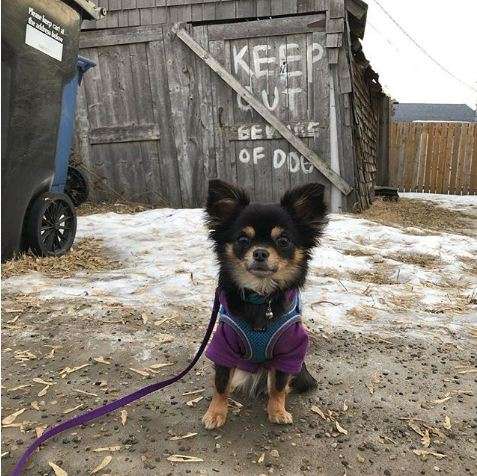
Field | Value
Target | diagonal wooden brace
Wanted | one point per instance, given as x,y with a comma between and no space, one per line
296,142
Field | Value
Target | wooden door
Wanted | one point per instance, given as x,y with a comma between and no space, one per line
124,117
283,62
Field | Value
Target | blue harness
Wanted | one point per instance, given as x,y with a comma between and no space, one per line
260,343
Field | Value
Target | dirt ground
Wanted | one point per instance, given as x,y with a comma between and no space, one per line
393,400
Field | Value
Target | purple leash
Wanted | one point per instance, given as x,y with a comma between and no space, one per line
121,402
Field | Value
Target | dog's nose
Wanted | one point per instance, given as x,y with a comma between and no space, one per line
260,255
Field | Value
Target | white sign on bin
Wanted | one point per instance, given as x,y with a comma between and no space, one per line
44,35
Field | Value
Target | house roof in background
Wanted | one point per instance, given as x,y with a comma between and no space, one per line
409,112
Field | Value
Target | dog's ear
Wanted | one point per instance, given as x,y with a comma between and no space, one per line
224,201
307,206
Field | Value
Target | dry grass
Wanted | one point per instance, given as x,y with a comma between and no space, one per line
470,265
416,213
403,301
423,260
86,255
362,313
452,282
326,273
383,275
90,208
456,305
357,252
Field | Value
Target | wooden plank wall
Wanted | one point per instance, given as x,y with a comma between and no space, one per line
124,13
366,130
434,157
154,123
339,59
382,165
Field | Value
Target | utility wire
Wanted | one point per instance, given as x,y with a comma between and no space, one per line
382,35
450,73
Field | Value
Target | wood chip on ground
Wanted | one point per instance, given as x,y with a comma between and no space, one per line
124,417
57,470
106,460
184,459
8,420
183,437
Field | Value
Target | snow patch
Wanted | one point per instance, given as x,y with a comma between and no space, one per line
167,261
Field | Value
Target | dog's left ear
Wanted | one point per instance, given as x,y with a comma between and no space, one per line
306,205
224,202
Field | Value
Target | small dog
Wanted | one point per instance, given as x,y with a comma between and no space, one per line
263,253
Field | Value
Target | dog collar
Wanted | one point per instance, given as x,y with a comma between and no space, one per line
253,297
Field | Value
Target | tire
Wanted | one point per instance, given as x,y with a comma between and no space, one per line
50,228
76,187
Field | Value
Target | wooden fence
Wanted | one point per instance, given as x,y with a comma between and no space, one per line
435,157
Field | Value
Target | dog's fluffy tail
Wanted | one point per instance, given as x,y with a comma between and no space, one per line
304,381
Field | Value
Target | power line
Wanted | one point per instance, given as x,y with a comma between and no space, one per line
450,73
380,33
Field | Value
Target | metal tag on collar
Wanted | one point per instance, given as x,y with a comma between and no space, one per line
269,313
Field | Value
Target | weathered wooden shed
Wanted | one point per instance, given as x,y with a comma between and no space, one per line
265,93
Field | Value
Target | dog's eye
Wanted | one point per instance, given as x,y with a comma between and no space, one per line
283,242
243,241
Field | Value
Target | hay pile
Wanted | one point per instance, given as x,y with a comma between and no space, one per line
470,265
325,272
382,275
456,304
416,213
403,300
89,208
362,313
424,260
88,254
358,252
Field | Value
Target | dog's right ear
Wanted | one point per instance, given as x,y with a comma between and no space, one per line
224,202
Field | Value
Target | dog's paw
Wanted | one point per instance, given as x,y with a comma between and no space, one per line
281,417
212,420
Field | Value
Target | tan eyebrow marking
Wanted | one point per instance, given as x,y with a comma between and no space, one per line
276,232
249,231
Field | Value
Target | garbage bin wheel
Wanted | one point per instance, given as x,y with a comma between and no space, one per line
51,224
76,187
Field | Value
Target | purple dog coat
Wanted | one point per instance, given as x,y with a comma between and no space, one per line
282,346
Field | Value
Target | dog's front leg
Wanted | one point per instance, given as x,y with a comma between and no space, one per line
278,387
217,413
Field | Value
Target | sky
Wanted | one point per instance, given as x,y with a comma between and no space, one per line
447,34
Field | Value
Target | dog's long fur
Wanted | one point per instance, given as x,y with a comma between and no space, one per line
265,249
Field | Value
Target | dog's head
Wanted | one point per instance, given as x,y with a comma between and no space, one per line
265,247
